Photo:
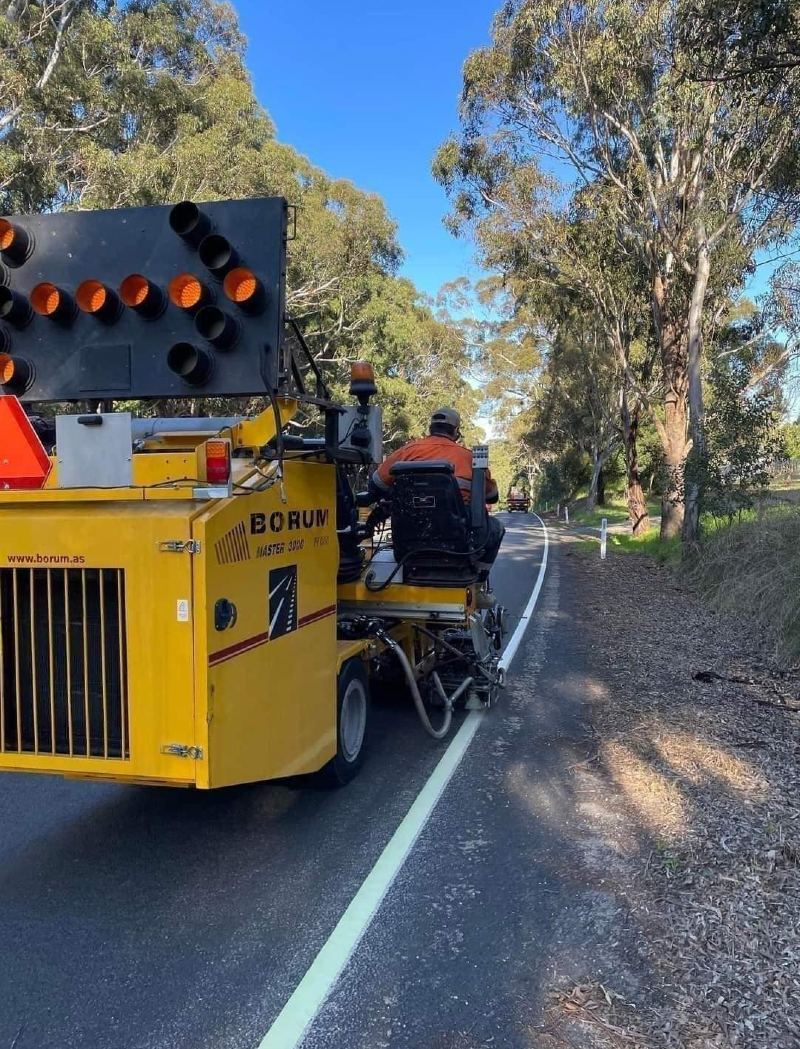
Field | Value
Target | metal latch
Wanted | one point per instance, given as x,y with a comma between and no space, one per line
179,546
180,750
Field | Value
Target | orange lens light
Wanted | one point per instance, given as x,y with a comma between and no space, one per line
240,285
134,290
186,291
15,372
16,244
362,371
91,295
218,462
45,299
7,369
7,234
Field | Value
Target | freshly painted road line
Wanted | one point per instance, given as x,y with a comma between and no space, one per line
298,1013
514,641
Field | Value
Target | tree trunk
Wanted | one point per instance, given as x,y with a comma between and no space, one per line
672,500
691,522
672,347
593,498
601,488
638,513
597,469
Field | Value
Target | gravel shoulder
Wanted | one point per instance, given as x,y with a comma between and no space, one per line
693,782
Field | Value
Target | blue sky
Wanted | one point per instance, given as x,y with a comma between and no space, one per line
367,89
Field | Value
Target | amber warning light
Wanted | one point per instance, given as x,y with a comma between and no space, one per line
141,295
23,461
16,244
16,373
52,302
98,301
362,381
244,288
187,292
218,461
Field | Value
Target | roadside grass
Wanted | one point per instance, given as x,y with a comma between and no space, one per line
667,552
615,511
751,570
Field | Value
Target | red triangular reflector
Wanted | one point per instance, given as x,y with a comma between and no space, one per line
23,461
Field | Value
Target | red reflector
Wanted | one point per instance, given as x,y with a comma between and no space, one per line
23,461
218,462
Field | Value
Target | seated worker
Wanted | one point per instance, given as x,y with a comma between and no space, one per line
442,445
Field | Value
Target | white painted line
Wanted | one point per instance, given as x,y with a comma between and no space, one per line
514,642
277,613
291,1024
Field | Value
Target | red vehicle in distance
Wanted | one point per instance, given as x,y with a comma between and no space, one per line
518,499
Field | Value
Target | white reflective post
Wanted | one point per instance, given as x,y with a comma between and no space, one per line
566,515
603,531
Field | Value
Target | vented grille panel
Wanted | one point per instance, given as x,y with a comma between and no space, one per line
233,546
63,663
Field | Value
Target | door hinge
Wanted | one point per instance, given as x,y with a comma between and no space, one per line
180,750
179,546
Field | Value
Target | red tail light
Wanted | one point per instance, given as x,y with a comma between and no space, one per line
218,461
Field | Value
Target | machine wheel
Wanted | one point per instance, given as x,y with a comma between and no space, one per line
352,714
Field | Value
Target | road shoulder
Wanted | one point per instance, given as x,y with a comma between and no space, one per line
692,783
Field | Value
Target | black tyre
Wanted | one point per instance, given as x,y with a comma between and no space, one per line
352,717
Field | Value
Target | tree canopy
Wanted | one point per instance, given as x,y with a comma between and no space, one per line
619,152
106,104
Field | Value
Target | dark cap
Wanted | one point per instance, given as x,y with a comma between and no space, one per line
446,417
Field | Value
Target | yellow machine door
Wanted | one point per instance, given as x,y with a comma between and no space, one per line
96,644
265,631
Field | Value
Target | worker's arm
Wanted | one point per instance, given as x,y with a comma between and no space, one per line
381,482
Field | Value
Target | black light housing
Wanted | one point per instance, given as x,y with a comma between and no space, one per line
217,327
143,296
16,244
244,289
98,300
218,255
190,223
16,373
4,275
5,340
54,303
14,308
192,363
188,292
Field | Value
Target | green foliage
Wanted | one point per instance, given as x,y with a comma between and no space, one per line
789,436
106,104
662,190
741,435
562,477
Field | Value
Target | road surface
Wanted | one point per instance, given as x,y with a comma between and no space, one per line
141,918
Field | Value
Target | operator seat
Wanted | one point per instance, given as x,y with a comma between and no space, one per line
432,533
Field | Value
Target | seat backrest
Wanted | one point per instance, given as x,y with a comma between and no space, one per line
431,530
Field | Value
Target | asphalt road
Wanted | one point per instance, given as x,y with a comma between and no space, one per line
141,918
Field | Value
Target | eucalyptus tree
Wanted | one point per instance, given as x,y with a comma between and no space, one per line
600,95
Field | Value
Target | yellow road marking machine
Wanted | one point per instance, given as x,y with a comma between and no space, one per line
204,600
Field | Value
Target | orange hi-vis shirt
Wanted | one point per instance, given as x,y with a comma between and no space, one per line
435,448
